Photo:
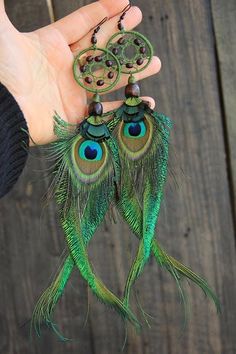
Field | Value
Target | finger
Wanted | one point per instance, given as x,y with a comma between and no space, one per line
132,19
79,23
2,6
110,106
152,69
5,23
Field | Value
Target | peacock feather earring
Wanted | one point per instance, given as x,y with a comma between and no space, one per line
142,136
86,175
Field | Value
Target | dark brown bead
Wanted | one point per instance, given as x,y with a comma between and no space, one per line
88,80
95,109
121,41
83,68
110,75
120,26
94,40
109,63
115,51
132,90
139,61
129,65
137,41
100,82
89,58
142,50
98,58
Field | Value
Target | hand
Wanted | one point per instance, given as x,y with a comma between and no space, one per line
36,67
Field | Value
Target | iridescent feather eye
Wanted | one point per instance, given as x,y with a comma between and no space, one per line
89,159
90,151
134,130
135,137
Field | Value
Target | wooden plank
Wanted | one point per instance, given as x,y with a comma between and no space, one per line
196,223
27,15
226,52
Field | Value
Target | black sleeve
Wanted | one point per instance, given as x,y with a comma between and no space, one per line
14,141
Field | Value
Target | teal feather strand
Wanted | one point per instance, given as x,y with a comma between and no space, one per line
131,210
148,175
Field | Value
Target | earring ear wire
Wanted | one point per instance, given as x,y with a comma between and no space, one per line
96,30
124,12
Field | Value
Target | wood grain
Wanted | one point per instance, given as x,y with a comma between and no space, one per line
196,224
225,29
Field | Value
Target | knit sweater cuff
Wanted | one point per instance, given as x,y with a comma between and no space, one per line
14,141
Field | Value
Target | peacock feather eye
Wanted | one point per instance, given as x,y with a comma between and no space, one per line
89,159
135,130
90,150
135,137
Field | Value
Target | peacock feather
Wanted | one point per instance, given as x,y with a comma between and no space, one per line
143,138
86,173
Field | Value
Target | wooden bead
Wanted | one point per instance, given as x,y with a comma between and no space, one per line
142,50
88,80
129,65
109,63
139,61
98,58
132,90
95,109
94,40
83,68
121,41
110,75
115,51
137,41
89,58
100,82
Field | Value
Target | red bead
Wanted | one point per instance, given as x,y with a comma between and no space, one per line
98,58
89,58
83,68
121,41
109,63
137,41
139,61
142,50
88,80
94,40
120,26
115,51
110,75
100,82
129,65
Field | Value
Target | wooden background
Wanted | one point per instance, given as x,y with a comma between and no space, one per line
196,42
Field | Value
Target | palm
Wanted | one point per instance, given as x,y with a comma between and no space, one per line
41,80
37,68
